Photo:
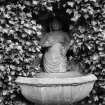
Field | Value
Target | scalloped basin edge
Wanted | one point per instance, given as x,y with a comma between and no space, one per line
56,88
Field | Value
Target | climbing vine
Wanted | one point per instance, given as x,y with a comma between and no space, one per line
21,28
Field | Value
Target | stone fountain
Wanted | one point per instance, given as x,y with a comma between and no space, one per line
56,86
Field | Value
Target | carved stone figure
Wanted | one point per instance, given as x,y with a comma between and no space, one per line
57,43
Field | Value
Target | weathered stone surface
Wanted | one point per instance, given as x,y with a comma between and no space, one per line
55,59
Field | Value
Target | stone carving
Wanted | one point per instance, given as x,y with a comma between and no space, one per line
57,43
55,59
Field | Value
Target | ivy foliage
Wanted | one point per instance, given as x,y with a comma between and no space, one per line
21,26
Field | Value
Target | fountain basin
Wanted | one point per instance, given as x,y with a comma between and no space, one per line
56,88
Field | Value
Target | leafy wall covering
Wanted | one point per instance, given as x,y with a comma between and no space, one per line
21,28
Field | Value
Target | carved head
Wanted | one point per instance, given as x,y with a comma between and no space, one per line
55,25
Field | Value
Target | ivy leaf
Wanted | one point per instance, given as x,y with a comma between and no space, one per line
76,16
96,98
71,4
35,2
81,29
49,8
5,92
93,0
69,11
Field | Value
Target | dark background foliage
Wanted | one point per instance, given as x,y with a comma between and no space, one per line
22,24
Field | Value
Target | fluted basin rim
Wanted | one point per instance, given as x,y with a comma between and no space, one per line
56,81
